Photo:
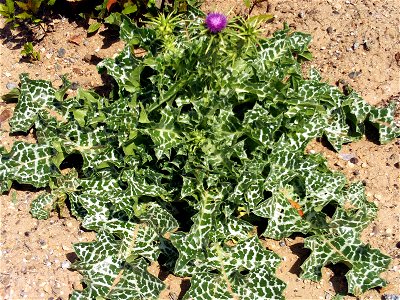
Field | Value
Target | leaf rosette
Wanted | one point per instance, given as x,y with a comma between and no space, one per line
202,141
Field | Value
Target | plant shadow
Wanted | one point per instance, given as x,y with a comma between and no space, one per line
338,280
302,254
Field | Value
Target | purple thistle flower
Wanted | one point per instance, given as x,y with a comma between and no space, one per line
215,22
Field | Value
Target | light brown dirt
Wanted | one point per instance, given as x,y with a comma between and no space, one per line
348,36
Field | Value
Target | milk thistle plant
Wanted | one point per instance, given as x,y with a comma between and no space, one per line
198,154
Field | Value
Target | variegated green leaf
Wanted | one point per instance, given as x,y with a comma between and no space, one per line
191,245
28,164
365,263
227,280
35,96
42,206
383,119
108,275
284,211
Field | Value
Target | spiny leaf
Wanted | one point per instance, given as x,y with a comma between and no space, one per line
108,275
229,283
28,164
42,206
35,96
365,263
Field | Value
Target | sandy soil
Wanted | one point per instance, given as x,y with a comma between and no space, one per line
354,42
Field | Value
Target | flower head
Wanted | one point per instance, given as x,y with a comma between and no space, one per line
215,22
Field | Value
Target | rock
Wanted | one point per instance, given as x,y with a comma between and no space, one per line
354,74
397,58
366,46
74,86
87,58
65,248
389,231
375,230
301,14
391,297
61,52
356,45
354,160
65,264
346,156
11,85
327,296
329,30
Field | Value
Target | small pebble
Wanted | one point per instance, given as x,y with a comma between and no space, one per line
397,165
7,74
65,264
378,197
356,172
397,58
329,30
356,45
74,86
375,230
65,248
301,15
87,58
61,52
327,296
391,297
11,86
354,160
346,156
282,243
366,46
354,74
